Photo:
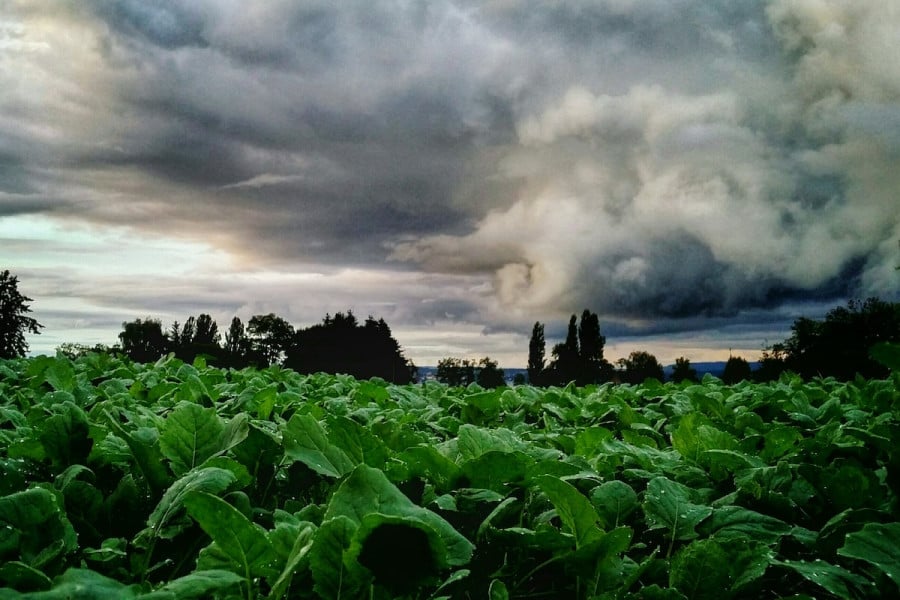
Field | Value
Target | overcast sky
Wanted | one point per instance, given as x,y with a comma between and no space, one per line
698,172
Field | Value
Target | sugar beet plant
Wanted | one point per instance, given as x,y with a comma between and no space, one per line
173,480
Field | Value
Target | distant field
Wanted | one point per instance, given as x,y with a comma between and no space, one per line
183,481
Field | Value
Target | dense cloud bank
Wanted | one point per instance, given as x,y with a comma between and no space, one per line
664,163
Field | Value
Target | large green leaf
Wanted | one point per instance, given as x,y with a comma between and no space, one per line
614,500
741,523
202,584
191,435
367,490
245,543
357,442
35,528
143,443
333,576
65,435
84,584
305,441
876,543
669,505
211,479
836,580
701,571
299,551
573,508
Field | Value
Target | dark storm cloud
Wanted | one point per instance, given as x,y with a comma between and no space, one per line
666,163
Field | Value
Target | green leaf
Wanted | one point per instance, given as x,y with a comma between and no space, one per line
245,543
60,375
202,584
498,591
474,441
741,523
332,577
367,490
84,584
22,577
144,445
303,542
876,543
614,500
357,442
701,571
887,354
35,527
191,434
211,479
573,508
836,580
305,441
65,436
669,505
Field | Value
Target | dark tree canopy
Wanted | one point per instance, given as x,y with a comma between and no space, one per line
461,372
639,366
736,370
144,340
580,357
341,345
14,323
271,337
683,371
537,348
838,346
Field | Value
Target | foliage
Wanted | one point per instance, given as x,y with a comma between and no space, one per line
580,357
144,340
461,372
14,323
537,349
177,480
639,366
341,345
838,346
737,369
683,371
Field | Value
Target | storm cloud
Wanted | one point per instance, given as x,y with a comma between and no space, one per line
674,165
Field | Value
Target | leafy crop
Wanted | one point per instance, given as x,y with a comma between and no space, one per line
174,480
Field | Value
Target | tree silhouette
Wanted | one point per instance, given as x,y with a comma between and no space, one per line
838,346
639,366
736,370
537,348
455,372
462,372
271,337
206,332
580,357
143,340
341,345
14,323
490,375
683,371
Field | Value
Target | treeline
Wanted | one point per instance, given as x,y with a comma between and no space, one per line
837,346
339,344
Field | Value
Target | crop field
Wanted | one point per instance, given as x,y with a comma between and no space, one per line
174,480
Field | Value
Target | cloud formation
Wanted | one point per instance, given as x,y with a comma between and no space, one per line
672,165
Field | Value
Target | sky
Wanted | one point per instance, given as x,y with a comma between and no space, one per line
700,173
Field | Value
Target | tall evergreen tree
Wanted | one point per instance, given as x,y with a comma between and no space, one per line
14,323
537,348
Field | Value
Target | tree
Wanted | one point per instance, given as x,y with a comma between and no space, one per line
14,323
580,357
339,344
537,348
206,332
143,341
736,370
683,371
838,346
270,336
455,372
236,342
639,366
490,375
